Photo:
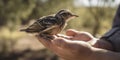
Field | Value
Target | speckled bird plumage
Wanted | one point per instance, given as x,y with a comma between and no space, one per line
50,25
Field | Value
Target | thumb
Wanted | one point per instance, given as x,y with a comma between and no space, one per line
71,32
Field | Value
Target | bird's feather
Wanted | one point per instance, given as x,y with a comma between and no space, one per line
50,25
41,25
48,29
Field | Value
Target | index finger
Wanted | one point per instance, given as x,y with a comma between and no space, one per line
46,43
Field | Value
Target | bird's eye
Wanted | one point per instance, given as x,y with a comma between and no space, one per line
64,14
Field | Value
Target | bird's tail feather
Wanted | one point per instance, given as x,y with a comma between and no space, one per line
22,29
29,30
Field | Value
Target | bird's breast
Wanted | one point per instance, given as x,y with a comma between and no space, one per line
58,29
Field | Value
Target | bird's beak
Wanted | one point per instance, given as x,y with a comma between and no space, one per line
75,15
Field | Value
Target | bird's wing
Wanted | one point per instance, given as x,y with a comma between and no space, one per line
49,23
47,29
42,24
35,27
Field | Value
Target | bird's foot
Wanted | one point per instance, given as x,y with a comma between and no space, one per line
57,35
47,37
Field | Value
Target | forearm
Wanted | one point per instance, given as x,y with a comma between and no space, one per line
103,44
101,54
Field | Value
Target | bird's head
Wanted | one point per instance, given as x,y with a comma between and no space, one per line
65,14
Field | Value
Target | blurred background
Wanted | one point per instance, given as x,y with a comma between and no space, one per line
95,17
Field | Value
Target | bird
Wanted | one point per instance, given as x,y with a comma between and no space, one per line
50,25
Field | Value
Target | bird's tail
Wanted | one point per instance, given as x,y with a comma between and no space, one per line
29,30
22,29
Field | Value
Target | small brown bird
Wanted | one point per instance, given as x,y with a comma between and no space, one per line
50,25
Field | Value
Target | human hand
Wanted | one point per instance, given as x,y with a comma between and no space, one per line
68,46
81,36
68,49
76,45
87,37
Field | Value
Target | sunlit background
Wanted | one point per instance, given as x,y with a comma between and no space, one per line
95,17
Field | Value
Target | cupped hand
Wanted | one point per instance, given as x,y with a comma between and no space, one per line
74,45
70,47
87,37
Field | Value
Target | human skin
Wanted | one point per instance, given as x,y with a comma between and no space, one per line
80,46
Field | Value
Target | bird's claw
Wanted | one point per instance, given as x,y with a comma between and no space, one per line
47,37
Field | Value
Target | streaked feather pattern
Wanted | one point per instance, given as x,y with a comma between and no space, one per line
50,25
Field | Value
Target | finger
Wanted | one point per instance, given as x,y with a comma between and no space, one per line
85,36
69,44
46,43
75,35
57,50
63,43
79,35
64,36
71,32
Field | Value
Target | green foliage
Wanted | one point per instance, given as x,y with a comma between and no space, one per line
48,7
14,13
86,21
